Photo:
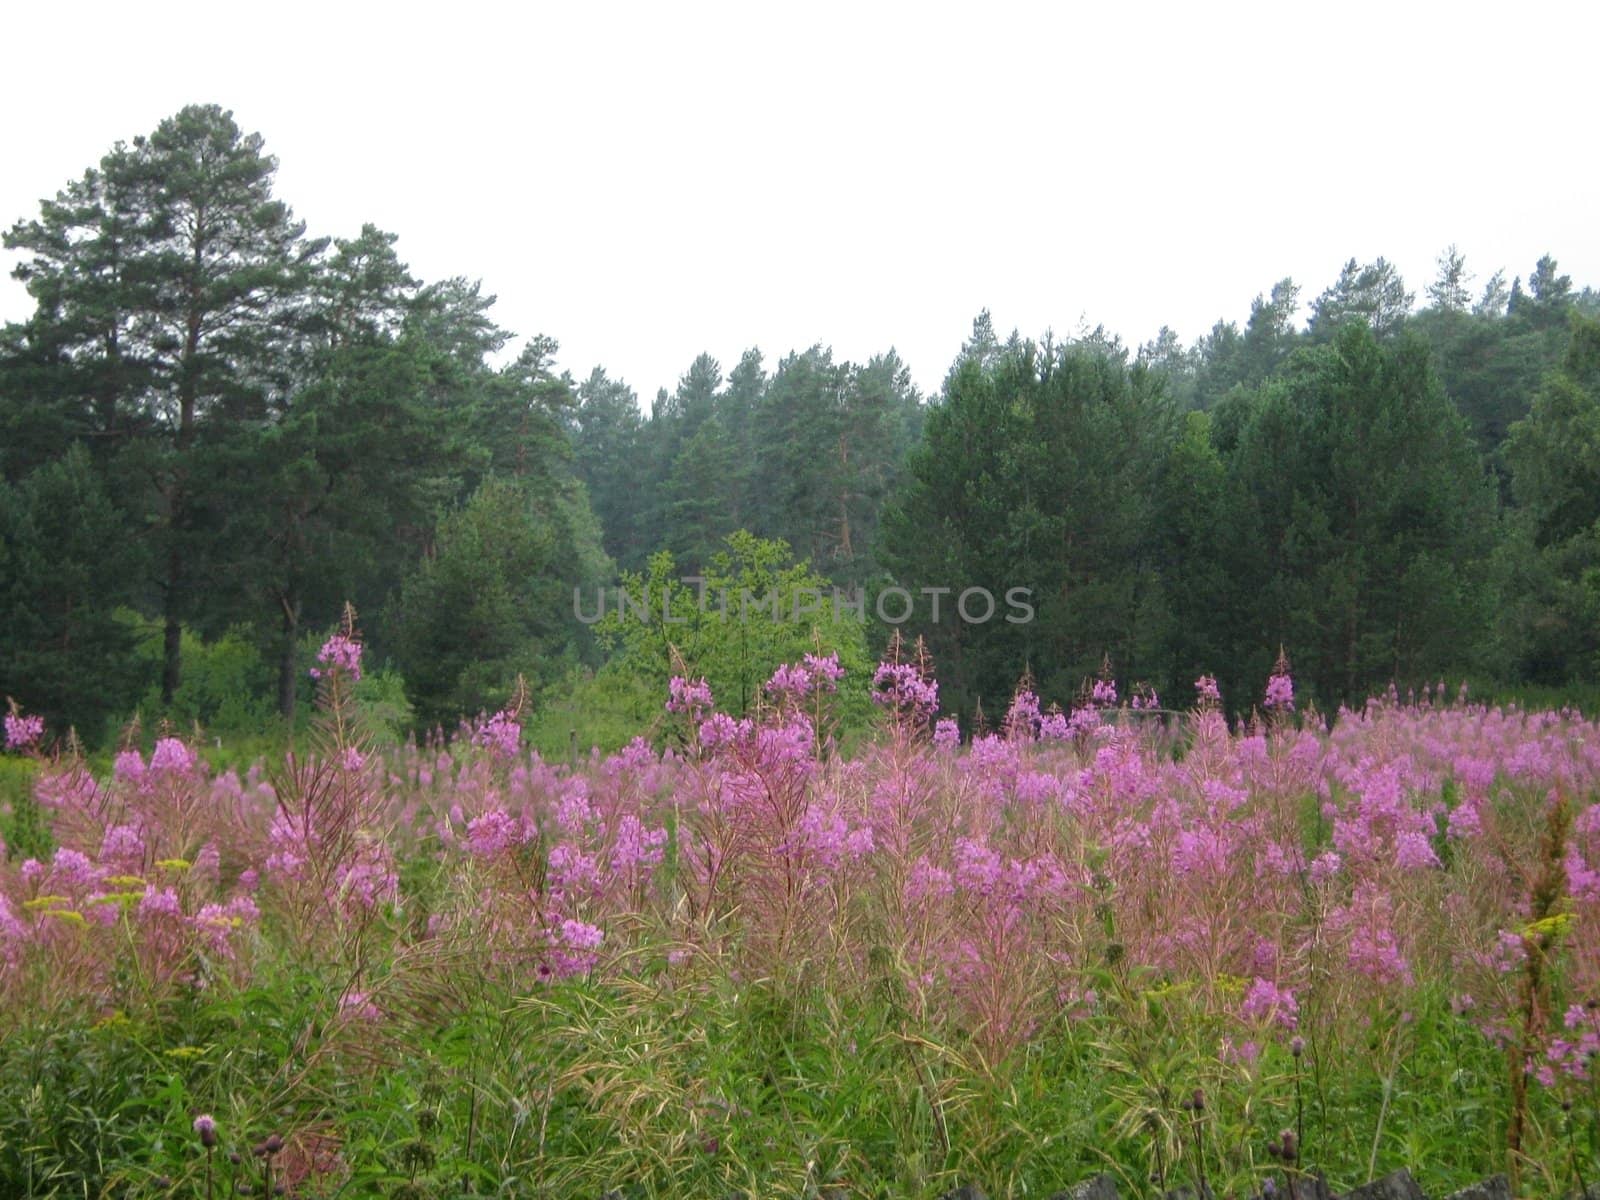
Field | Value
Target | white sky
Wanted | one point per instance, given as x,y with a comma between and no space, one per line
644,182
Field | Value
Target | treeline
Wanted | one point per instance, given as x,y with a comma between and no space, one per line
1391,493
807,454
214,430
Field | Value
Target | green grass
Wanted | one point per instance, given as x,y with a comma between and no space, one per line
699,1089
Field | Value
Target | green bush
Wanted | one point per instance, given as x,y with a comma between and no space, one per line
226,686
21,823
384,712
605,710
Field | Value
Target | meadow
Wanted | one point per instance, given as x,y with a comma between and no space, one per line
732,960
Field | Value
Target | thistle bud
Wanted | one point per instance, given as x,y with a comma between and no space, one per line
206,1126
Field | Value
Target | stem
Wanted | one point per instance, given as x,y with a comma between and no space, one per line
1577,1164
1377,1134
1200,1157
1299,1123
472,1124
1161,1166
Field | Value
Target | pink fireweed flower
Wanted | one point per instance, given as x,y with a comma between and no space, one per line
1245,1053
1280,693
122,849
824,670
1412,851
1054,727
573,810
358,1006
1583,881
901,686
13,933
172,757
339,653
927,880
291,842
492,833
363,885
636,847
22,732
216,924
1022,718
129,766
1207,694
159,902
1265,1002
574,875
688,695
501,734
790,680
1325,866
722,730
1104,694
573,948
71,870
947,733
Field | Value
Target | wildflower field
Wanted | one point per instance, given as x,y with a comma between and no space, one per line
734,961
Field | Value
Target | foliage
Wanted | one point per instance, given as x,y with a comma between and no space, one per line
752,964
1035,472
66,556
1370,517
494,600
753,609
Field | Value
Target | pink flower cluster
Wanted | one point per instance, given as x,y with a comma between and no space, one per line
688,695
901,688
814,673
23,732
339,653
501,734
1287,877
1280,694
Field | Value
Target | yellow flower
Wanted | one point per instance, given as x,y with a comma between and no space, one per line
1553,926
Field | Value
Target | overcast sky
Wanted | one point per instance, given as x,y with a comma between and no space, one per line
646,182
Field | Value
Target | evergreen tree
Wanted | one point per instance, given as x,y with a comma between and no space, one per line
1373,293
1449,291
1375,517
495,600
608,448
1034,472
67,559
168,284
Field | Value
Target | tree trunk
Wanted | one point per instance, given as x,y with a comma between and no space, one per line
172,638
288,681
172,656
